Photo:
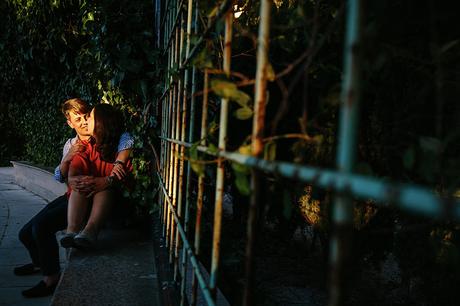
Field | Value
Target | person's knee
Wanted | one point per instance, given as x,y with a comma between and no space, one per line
41,230
25,234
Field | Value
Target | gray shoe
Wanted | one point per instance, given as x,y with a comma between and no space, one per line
85,240
67,240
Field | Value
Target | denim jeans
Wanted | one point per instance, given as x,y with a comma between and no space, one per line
39,235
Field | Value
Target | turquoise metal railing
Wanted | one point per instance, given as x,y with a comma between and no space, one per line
179,125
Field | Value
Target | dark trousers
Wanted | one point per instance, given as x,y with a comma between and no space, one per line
39,235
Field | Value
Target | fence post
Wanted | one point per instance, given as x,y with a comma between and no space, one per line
342,213
257,146
220,164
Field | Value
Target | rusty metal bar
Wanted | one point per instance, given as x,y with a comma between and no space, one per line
342,210
199,203
183,114
175,22
190,139
170,130
409,197
172,148
177,93
257,146
158,23
223,9
220,164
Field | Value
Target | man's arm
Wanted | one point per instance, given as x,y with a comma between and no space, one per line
68,152
58,175
125,148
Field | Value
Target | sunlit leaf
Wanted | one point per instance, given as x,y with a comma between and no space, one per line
243,113
229,90
242,183
245,149
212,148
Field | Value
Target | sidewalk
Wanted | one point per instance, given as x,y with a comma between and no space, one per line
17,206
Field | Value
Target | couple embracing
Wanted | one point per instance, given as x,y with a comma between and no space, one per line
95,163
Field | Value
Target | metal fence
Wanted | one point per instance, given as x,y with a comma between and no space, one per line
176,22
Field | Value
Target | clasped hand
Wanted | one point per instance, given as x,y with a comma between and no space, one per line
88,185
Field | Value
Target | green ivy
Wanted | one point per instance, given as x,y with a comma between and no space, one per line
95,50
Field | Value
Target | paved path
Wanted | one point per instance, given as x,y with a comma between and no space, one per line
17,206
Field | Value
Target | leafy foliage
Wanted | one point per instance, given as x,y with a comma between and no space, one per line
55,50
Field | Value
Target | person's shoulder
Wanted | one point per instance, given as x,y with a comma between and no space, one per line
126,135
71,141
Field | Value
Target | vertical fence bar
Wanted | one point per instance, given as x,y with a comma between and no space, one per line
257,146
220,164
171,149
158,23
343,207
183,115
176,136
190,139
168,144
199,201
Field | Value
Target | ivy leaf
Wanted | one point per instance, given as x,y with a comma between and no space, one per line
203,59
196,166
212,128
243,113
242,183
240,168
212,148
229,90
245,149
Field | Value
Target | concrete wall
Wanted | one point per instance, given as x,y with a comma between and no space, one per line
38,180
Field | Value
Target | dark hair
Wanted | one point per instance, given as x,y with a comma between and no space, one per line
75,105
108,127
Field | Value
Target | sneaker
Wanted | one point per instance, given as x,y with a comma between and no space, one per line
67,240
27,269
85,240
39,290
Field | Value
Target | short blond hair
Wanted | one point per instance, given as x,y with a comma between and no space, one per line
76,105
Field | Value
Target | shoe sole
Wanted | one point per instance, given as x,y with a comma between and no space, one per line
83,243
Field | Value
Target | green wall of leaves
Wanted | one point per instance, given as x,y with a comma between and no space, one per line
55,50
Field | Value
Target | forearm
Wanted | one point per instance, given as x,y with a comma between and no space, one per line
124,155
64,168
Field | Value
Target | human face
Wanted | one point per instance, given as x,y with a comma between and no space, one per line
78,122
90,119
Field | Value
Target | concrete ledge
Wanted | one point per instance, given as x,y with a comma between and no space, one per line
38,180
121,271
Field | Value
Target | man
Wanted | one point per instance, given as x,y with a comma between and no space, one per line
38,235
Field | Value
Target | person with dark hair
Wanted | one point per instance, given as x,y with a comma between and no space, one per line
39,234
98,160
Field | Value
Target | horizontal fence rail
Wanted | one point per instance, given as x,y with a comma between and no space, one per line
182,34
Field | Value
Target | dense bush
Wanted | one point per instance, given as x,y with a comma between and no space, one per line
55,50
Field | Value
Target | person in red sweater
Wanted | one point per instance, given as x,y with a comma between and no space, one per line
97,161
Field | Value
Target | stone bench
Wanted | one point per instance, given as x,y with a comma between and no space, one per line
39,180
120,271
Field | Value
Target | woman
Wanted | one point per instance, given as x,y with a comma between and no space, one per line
93,175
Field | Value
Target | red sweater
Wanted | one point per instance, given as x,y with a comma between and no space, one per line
89,162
